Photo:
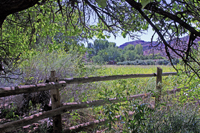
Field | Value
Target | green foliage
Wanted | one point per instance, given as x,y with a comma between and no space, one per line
137,123
10,113
155,56
124,88
129,55
103,51
111,53
145,2
38,64
144,120
100,45
39,27
129,47
47,42
101,3
185,120
112,44
139,49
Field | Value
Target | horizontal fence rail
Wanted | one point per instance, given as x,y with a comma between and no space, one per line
91,124
85,126
114,77
66,107
71,106
8,91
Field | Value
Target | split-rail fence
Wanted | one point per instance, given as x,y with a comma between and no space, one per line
57,109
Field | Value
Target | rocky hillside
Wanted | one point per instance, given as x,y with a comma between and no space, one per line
147,49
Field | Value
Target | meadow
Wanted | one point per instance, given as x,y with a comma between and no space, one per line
169,116
134,85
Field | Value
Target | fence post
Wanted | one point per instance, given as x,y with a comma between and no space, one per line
55,103
158,85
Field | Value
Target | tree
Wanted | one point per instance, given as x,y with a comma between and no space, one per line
139,49
114,54
169,19
90,45
100,44
112,44
105,51
90,51
67,41
33,28
132,52
130,55
129,47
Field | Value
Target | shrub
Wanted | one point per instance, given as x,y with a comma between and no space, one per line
137,62
36,68
162,62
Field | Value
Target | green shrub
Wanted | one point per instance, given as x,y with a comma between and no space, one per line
173,121
137,62
162,62
38,64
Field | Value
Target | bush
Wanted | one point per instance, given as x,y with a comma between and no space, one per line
174,121
162,62
175,61
36,68
137,62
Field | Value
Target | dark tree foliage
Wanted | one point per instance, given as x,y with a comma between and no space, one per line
170,20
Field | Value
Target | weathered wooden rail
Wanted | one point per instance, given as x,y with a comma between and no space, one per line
57,109
7,91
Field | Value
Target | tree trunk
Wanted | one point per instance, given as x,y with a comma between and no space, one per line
12,6
2,20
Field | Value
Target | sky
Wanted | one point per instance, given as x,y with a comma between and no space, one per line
119,40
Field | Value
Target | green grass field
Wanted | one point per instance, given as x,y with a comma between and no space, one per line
164,118
131,69
133,85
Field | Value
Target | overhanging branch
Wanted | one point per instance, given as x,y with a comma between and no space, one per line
152,7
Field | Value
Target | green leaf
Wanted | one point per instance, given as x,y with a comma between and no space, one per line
124,34
144,3
102,3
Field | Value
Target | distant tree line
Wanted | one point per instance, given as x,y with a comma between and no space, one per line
102,51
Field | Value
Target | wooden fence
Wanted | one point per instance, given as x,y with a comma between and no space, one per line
57,109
